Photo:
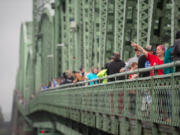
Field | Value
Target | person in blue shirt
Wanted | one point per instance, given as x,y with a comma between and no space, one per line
54,82
43,87
144,63
93,75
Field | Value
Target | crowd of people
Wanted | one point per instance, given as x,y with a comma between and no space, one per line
144,57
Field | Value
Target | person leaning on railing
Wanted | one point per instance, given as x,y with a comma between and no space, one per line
93,75
78,77
144,63
157,59
133,67
115,67
131,60
103,73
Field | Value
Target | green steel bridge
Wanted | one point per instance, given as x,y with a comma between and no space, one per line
68,34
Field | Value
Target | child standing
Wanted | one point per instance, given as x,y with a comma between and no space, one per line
133,67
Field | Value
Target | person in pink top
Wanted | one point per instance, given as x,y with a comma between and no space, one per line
157,59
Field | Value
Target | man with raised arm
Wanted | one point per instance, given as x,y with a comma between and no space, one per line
131,60
157,59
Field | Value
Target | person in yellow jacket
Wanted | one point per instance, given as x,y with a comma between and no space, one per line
103,73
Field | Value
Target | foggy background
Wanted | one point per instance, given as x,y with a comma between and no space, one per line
12,14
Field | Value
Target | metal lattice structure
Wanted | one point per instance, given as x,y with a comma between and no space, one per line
69,34
47,48
89,32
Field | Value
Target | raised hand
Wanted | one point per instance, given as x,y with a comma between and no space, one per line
133,44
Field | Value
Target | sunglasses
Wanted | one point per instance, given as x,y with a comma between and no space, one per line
136,50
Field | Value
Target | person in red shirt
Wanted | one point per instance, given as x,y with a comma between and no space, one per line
157,59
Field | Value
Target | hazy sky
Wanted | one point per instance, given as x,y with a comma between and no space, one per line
12,14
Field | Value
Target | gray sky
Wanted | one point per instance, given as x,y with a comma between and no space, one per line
12,14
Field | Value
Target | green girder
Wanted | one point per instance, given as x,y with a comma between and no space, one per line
85,33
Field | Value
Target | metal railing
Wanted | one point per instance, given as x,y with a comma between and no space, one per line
155,99
125,74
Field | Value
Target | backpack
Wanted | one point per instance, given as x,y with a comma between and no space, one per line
176,50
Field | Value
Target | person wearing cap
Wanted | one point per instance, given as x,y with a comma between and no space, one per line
157,59
144,63
131,60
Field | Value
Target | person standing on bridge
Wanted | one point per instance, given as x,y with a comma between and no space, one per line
93,75
82,72
131,60
170,55
176,53
78,77
157,59
144,63
115,66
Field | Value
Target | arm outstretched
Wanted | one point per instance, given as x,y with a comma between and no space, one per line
139,48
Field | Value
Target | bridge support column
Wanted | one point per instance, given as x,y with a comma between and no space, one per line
154,129
20,127
28,131
138,127
175,131
125,127
25,129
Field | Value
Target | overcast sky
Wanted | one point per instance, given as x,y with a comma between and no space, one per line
12,14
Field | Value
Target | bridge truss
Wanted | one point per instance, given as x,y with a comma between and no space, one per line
69,34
